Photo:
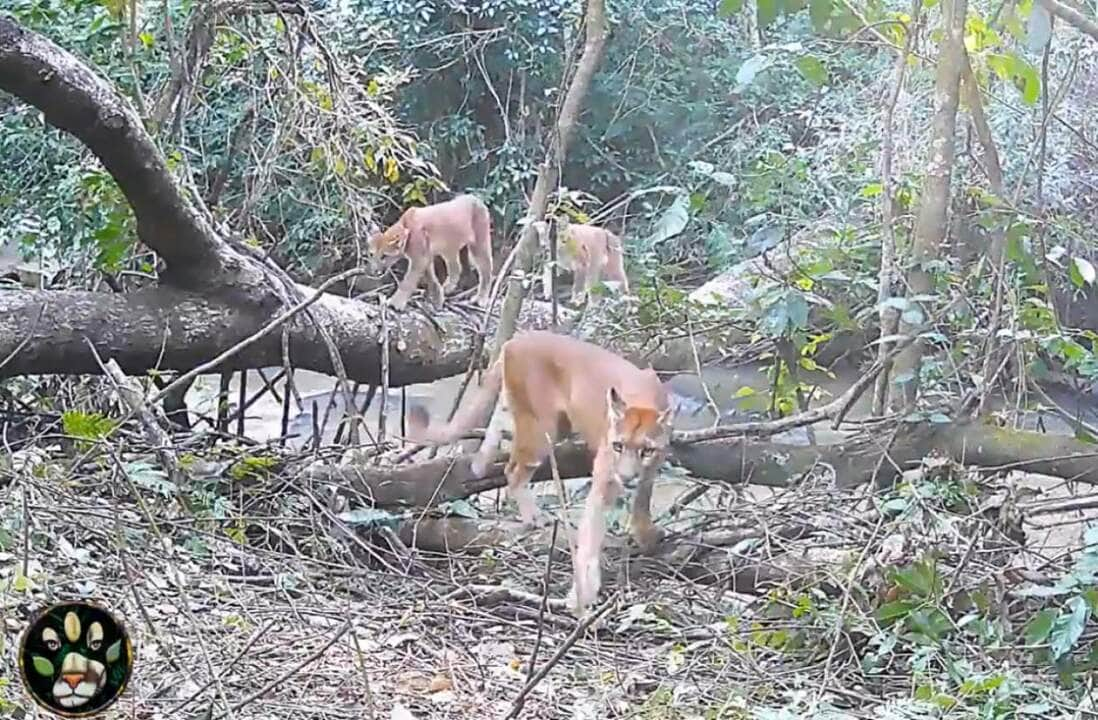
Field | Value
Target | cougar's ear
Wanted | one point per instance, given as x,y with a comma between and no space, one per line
402,233
667,417
614,404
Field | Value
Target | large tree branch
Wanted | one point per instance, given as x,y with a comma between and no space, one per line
74,98
1072,16
174,329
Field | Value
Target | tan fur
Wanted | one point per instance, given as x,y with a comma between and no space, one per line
552,381
440,230
590,253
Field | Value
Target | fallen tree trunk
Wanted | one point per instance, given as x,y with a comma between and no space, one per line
170,328
743,460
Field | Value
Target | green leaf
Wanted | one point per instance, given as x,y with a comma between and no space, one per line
750,69
894,610
727,8
872,190
114,651
820,12
894,506
812,70
86,426
366,516
765,238
462,508
920,578
1017,253
767,12
672,222
1031,89
42,666
115,8
1082,272
1039,626
1068,627
932,622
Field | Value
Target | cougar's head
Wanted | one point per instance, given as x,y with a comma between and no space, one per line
638,437
389,243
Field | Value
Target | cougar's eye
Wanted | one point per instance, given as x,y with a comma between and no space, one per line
53,643
618,447
647,451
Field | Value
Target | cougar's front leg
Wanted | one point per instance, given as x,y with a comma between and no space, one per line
407,285
587,574
645,533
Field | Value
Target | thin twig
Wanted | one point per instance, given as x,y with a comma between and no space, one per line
520,699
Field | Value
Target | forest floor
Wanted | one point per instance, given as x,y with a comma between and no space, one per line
255,602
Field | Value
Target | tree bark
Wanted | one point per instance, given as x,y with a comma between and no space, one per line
930,227
867,459
1072,16
167,328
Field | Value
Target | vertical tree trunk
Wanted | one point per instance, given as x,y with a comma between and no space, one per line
549,172
997,252
930,226
549,176
889,273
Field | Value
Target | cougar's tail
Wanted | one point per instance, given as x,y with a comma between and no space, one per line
421,431
615,261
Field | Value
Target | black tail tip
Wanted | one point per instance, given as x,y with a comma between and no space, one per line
418,417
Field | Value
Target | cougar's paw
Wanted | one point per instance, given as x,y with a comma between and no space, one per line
397,302
648,537
579,599
571,601
537,521
586,581
481,300
479,465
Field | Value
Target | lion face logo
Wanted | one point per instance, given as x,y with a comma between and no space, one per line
76,659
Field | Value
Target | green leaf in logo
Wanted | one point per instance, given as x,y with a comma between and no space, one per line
114,651
42,666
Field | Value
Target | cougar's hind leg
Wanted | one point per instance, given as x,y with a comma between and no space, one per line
454,269
493,436
529,449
